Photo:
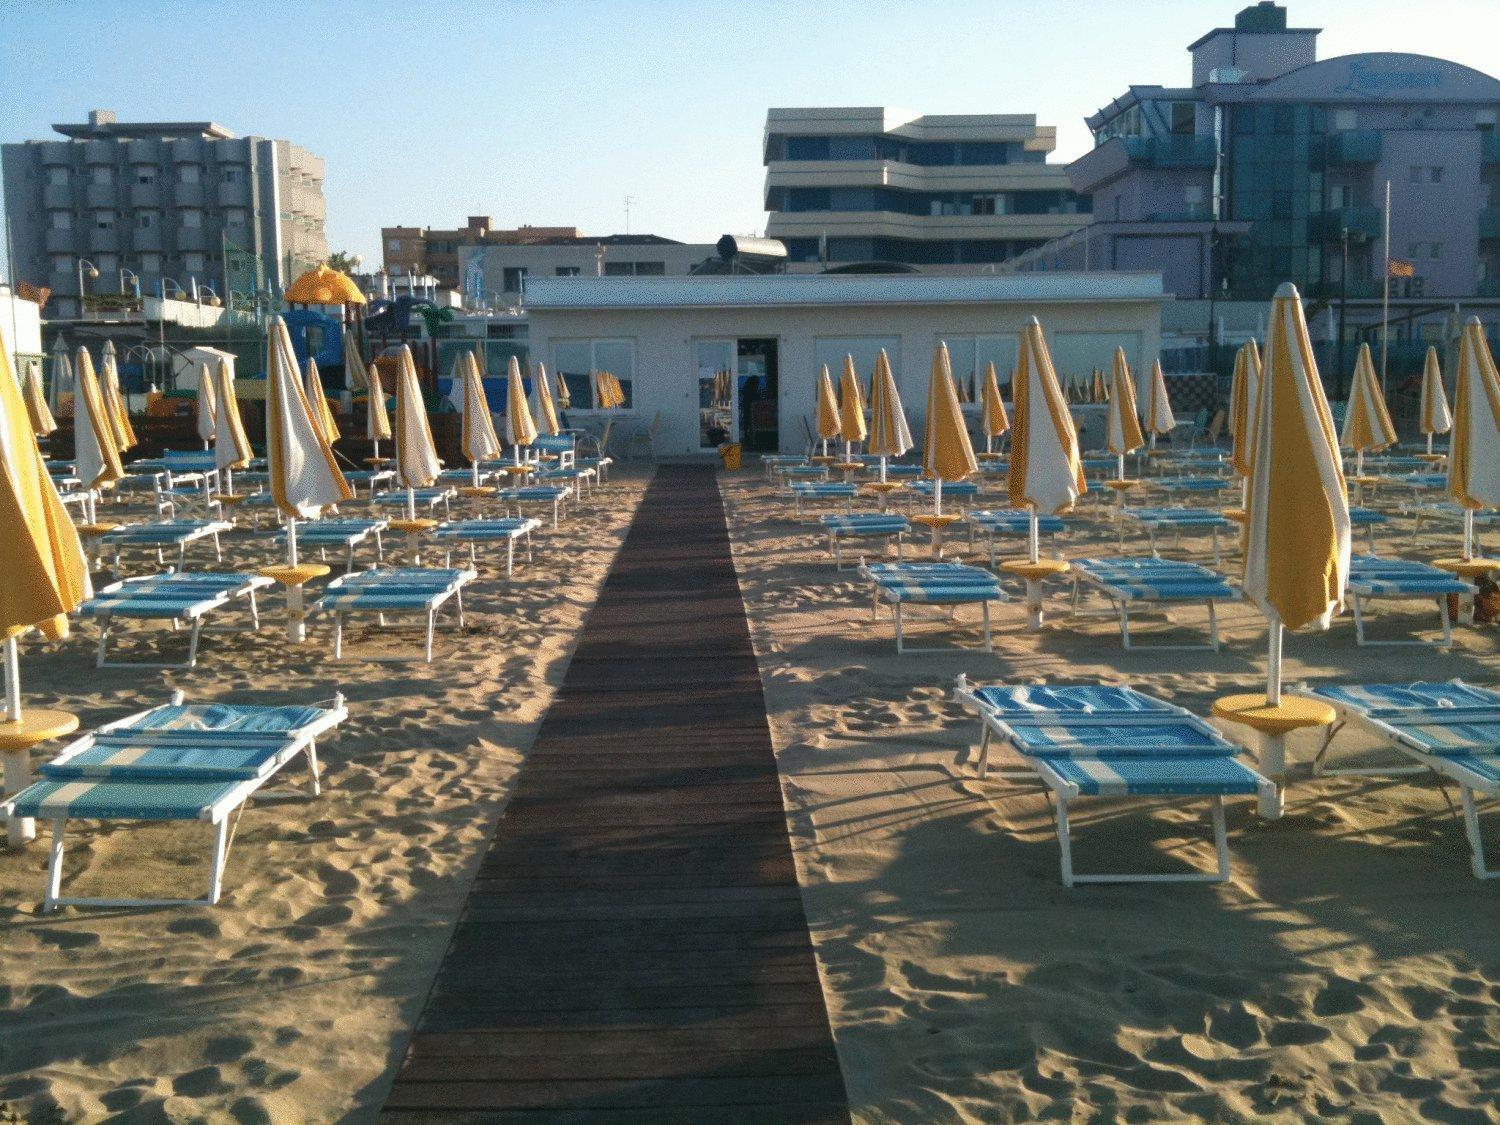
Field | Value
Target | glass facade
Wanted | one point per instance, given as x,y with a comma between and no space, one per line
912,251
575,361
935,154
930,202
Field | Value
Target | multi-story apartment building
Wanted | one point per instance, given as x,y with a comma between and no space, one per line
865,185
160,201
1272,166
429,250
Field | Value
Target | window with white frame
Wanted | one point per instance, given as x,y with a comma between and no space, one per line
576,362
971,355
831,350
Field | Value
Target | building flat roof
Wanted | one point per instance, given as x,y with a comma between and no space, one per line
794,290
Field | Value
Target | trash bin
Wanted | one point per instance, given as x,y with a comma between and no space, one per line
730,453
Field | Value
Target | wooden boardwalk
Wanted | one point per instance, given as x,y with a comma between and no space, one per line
635,947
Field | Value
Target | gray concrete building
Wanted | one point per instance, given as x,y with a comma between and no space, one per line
495,273
156,205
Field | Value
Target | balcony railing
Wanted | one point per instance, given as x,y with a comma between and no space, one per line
1354,146
1185,151
1360,222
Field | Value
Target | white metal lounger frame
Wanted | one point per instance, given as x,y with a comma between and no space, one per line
217,814
435,602
351,542
951,610
450,544
208,529
835,535
1151,527
1121,600
1063,792
196,618
512,499
1467,780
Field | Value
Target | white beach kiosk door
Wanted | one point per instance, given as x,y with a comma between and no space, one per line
718,395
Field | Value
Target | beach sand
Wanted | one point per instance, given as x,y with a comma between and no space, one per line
1349,971
291,1000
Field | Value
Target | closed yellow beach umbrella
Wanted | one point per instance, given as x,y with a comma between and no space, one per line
417,463
828,409
37,411
1124,425
1297,541
1100,387
305,479
947,454
520,429
545,409
45,577
1474,447
1158,417
560,384
231,446
318,401
377,418
60,392
851,409
205,418
114,398
1046,471
1242,393
96,454
992,417
890,436
1367,423
1435,417
478,437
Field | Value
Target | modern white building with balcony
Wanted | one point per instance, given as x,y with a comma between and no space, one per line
157,204
953,193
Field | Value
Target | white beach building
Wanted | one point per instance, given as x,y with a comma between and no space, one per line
668,341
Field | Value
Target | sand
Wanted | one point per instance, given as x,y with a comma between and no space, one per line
1350,970
292,999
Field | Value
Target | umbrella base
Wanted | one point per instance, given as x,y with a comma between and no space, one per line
16,738
1271,726
1034,574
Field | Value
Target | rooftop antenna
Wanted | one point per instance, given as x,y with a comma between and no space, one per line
629,199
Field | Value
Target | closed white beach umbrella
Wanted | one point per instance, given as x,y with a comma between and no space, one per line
1046,471
417,463
205,413
1159,418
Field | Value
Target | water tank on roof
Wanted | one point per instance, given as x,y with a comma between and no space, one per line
743,246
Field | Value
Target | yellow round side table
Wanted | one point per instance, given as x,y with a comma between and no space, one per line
1271,723
1034,574
294,578
36,725
936,524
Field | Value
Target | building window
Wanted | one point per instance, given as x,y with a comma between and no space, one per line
618,269
576,361
1344,120
104,220
1426,174
233,175
151,263
103,174
971,355
61,263
568,271
145,220
192,219
58,176
513,278
189,174
1183,117
145,175
393,245
650,269
234,216
108,264
1435,251
193,263
62,220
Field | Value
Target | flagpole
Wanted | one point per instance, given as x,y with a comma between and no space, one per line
1385,300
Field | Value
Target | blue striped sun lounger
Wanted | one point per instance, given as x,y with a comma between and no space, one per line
1193,486
1177,520
424,499
1153,581
962,491
803,491
163,534
863,526
345,533
1369,519
1372,577
1423,482
1006,522
472,533
1421,510
802,472
1452,729
555,495
1098,741
893,470
174,762
175,597
395,591
901,584
774,463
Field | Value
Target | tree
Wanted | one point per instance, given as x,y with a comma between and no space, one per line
343,261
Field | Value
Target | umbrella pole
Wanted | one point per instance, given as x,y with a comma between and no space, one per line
474,472
1468,534
1119,466
1273,664
1033,537
411,503
291,541
19,830
989,444
882,468
1429,445
12,681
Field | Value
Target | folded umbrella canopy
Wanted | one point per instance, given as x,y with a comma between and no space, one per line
1297,541
1099,391
563,397
546,411
947,454
1046,471
417,463
317,400
1435,418
231,446
377,420
828,409
519,428
45,578
1159,417
1367,423
96,456
890,436
1474,448
851,409
305,479
992,417
1242,394
205,414
62,376
114,399
37,411
1124,425
477,437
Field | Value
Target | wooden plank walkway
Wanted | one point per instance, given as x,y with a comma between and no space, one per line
635,948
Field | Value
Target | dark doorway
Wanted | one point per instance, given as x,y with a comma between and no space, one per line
758,377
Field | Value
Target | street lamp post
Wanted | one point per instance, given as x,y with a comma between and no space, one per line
93,273
135,281
1338,376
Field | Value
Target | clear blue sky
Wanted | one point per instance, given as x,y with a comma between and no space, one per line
551,112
